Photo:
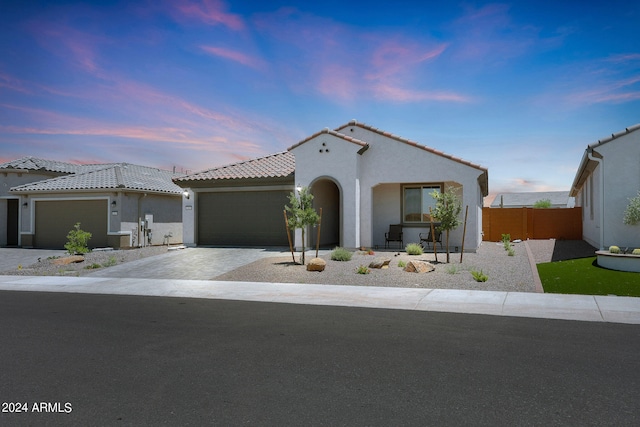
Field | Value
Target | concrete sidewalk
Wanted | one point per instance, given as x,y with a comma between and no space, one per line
547,306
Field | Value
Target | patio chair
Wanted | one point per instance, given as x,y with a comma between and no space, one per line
393,235
428,238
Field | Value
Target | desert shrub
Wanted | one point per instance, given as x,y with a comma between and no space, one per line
341,254
402,264
542,204
110,262
479,276
632,212
614,249
414,249
511,251
363,269
636,252
506,238
452,269
93,266
77,241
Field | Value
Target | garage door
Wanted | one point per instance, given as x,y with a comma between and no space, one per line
54,220
251,218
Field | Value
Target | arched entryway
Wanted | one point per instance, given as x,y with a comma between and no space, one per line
326,195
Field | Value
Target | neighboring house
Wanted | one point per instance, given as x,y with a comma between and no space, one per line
608,176
122,205
364,179
558,199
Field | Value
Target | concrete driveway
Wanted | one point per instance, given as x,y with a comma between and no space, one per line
199,263
11,258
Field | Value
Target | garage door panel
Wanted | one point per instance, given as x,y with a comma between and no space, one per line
252,218
55,218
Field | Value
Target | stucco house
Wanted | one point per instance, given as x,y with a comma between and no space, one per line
608,176
122,205
363,178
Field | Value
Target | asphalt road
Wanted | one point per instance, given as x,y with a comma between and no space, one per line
123,360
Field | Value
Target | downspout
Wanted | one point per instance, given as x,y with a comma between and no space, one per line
601,166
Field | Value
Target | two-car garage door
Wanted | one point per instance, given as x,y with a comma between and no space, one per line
55,218
242,218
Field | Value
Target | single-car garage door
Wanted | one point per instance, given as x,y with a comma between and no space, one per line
55,218
245,218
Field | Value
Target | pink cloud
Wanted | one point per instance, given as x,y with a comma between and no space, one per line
607,92
210,12
392,58
626,57
234,55
79,47
488,35
398,94
344,63
12,83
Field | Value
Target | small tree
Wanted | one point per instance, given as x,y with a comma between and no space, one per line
77,241
447,212
301,213
632,212
542,204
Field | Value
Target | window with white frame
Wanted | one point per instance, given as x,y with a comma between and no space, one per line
416,201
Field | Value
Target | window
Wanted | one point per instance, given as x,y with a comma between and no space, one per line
416,201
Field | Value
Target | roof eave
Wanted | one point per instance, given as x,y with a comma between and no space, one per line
584,170
27,192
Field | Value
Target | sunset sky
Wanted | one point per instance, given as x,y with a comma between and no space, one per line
520,88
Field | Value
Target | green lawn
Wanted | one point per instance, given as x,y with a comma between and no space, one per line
583,276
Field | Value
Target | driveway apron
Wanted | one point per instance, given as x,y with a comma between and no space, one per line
191,263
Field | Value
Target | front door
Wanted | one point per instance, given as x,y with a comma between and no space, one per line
12,222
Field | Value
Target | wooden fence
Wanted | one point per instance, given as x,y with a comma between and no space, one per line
531,223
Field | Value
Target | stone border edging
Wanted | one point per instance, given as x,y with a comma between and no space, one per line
534,269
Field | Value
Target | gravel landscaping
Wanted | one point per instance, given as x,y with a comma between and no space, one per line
506,273
92,261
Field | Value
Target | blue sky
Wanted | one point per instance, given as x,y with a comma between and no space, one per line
520,88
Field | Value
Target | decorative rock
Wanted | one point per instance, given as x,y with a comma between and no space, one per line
316,264
68,260
419,267
380,263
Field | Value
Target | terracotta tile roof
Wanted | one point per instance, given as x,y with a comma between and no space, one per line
328,131
35,164
120,176
279,165
412,143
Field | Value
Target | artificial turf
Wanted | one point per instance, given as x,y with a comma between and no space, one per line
584,276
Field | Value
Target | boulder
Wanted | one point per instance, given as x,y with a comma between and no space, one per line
380,263
316,264
419,267
68,260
